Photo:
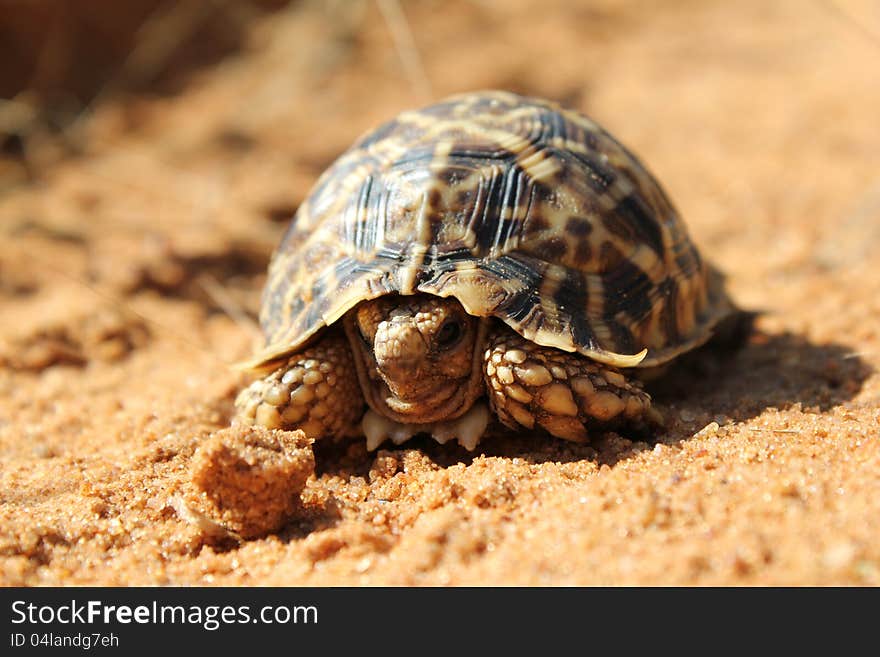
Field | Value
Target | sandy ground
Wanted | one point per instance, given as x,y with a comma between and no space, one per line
130,275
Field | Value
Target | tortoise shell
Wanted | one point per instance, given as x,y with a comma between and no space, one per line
518,208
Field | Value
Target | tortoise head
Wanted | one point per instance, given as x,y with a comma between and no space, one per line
418,356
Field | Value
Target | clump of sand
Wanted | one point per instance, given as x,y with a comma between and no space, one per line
248,480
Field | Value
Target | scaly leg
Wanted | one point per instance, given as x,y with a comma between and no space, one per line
564,393
315,390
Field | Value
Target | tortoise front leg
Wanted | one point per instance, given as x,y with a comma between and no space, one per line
315,390
565,393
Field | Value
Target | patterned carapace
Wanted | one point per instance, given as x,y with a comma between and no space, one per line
518,208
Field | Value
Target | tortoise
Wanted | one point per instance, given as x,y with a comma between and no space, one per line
490,254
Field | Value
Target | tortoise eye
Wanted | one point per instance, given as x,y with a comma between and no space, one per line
449,334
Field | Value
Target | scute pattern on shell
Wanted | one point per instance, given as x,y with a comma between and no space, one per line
518,208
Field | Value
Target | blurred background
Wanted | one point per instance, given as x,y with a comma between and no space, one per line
147,144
